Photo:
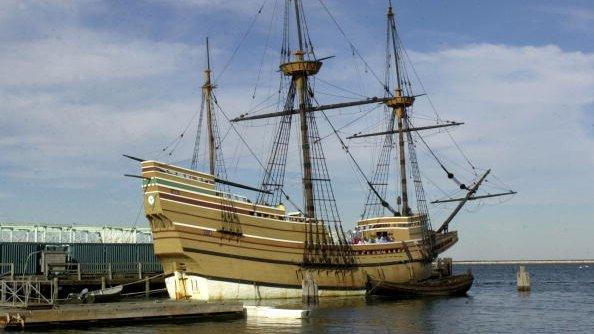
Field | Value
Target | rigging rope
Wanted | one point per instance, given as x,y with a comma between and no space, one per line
194,163
448,173
351,122
265,49
412,66
353,47
350,155
241,40
252,152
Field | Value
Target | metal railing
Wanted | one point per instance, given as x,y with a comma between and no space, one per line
24,293
47,233
108,270
7,270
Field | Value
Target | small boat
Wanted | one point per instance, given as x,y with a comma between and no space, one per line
275,313
456,285
112,294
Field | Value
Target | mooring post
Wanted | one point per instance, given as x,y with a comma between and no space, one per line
523,279
109,271
55,290
309,289
147,288
103,283
139,270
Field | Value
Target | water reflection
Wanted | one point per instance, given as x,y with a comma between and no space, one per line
562,299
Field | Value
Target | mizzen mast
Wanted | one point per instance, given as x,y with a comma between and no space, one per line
399,104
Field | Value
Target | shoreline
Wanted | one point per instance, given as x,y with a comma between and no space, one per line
476,262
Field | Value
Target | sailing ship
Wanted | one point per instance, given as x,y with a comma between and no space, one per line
215,245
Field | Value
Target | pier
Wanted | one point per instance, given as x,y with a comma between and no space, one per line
112,313
518,262
74,257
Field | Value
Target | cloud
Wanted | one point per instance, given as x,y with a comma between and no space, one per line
526,103
525,110
82,55
573,18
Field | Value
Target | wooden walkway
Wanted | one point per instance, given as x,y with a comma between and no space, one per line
111,313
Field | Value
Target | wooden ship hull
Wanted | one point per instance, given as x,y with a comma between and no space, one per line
260,254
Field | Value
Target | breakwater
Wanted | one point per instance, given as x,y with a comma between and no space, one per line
471,262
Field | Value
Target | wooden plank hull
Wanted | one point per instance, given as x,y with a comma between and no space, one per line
261,254
457,285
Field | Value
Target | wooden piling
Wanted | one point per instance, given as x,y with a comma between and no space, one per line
523,279
78,272
147,288
55,289
309,289
139,266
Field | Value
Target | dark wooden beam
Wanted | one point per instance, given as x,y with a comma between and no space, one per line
511,192
312,109
406,130
133,158
242,186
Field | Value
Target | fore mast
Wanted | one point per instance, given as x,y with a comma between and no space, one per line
211,124
207,91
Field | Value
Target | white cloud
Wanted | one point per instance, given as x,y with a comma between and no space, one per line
525,110
577,19
528,104
77,56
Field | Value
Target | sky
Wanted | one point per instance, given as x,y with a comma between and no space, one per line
83,82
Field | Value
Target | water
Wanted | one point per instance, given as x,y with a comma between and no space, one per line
561,300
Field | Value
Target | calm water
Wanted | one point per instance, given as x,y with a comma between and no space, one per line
562,300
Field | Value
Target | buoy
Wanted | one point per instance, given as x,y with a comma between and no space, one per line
523,279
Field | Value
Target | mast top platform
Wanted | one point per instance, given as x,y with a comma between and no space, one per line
301,67
399,101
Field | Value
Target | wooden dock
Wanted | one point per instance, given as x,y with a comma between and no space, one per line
111,313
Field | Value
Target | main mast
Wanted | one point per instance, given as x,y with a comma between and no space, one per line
299,71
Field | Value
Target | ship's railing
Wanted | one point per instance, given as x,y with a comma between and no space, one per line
387,225
232,196
296,219
186,175
208,181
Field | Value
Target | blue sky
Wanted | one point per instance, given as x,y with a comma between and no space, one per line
83,82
